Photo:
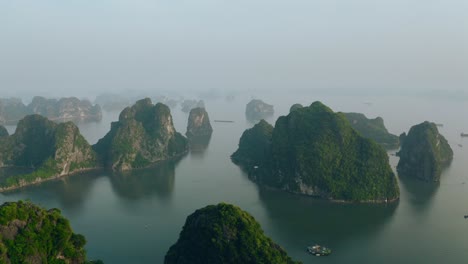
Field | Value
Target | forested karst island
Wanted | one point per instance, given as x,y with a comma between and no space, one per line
188,105
373,129
222,234
144,134
424,153
316,152
12,110
257,109
63,109
51,150
31,234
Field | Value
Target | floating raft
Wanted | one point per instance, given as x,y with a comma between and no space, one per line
319,251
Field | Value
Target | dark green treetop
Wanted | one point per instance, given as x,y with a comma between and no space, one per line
223,234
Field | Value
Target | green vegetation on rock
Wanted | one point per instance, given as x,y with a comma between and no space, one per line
373,129
223,234
50,149
314,151
31,234
144,134
424,153
295,107
255,147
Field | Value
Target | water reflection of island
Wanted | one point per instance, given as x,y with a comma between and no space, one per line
420,193
71,191
143,183
199,145
74,190
300,220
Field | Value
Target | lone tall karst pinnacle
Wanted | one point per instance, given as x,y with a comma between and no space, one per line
316,152
51,150
144,134
424,153
224,234
198,123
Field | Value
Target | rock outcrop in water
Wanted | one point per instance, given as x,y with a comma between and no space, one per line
31,234
72,109
188,105
12,110
3,131
316,152
65,109
424,153
144,134
113,102
223,234
198,123
51,150
373,129
257,109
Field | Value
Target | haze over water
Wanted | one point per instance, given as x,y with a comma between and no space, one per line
84,47
135,217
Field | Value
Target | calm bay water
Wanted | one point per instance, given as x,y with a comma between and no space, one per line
135,217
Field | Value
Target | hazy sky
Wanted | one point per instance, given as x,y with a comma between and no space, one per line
87,46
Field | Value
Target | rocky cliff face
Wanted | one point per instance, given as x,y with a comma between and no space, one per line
424,153
65,109
144,134
257,109
3,131
51,150
314,151
373,129
198,123
30,234
224,233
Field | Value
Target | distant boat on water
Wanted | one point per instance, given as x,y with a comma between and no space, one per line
463,135
224,121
